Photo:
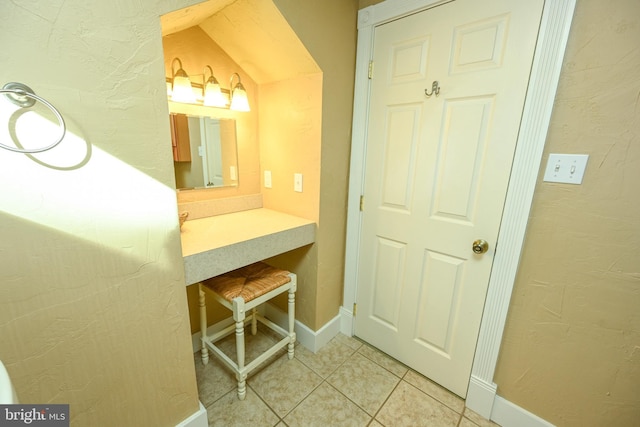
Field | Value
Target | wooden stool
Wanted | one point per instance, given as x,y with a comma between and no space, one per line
242,290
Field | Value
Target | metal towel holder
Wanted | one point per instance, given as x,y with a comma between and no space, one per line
23,96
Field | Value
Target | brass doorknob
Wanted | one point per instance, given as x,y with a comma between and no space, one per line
480,246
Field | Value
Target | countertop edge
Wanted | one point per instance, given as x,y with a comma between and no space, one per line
211,263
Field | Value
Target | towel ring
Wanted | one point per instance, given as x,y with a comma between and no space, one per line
23,96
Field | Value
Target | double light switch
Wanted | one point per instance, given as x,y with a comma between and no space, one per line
566,168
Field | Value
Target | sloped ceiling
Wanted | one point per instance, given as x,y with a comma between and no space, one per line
252,32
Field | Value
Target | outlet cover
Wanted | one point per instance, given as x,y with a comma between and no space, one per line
566,168
267,179
297,182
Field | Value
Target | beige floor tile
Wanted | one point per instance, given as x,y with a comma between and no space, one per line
348,341
214,380
374,423
384,360
364,382
284,384
478,419
229,411
254,345
464,422
327,359
434,390
410,407
327,407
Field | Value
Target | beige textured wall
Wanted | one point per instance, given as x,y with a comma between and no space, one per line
290,138
366,3
571,349
328,31
92,304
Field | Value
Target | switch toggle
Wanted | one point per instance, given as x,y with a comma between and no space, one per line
566,168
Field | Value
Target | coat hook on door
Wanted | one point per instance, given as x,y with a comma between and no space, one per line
435,88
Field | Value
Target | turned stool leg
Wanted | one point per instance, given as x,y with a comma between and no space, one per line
239,316
254,321
203,325
292,318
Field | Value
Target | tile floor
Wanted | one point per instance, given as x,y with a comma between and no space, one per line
346,383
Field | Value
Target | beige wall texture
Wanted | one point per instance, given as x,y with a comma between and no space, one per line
93,310
328,31
290,138
571,349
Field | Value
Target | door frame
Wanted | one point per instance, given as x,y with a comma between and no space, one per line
545,73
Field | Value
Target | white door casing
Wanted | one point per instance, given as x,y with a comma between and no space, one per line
436,177
550,47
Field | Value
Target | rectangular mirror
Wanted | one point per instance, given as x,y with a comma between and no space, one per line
205,152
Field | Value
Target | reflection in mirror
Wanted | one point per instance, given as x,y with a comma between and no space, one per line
204,152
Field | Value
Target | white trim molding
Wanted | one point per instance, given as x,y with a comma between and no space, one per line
508,414
346,321
552,38
197,419
312,340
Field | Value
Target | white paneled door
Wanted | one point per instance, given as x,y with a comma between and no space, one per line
437,169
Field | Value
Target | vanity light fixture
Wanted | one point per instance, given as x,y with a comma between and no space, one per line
239,100
211,94
181,89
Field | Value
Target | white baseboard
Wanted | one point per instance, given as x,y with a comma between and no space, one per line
482,399
481,396
509,414
197,419
346,322
312,340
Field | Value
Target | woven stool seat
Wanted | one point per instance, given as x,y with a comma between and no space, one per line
242,291
248,282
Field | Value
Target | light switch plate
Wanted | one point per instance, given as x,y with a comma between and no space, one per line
233,173
297,182
267,179
566,168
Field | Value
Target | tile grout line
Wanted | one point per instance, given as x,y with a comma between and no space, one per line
351,354
324,380
403,379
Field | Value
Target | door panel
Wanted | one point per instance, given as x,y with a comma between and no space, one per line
479,45
462,150
388,277
437,169
439,288
400,156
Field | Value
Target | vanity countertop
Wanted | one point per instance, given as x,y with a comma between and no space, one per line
215,245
